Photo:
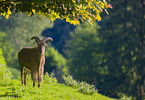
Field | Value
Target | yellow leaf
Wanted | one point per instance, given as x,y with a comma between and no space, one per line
7,16
107,6
9,11
29,14
91,23
52,19
4,14
33,10
67,19
98,17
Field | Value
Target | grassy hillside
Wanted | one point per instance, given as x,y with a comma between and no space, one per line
5,74
48,91
12,89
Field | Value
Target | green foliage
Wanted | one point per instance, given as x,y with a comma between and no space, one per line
112,58
86,88
124,49
15,72
5,74
83,87
71,82
58,57
60,32
49,78
84,60
125,98
95,57
72,10
53,59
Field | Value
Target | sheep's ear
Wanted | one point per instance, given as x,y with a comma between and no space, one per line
47,39
37,39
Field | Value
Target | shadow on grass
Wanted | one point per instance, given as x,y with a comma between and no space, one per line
8,95
6,84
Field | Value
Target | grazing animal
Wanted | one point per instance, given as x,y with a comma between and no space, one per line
33,59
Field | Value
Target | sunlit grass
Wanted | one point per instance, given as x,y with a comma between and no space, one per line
48,91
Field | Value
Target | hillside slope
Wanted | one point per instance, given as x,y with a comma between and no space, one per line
12,89
48,91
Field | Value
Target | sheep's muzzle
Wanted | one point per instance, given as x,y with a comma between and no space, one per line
41,53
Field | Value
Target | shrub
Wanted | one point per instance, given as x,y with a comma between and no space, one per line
125,98
49,78
83,87
86,88
5,74
70,82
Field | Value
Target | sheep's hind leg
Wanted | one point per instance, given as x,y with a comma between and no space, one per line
25,75
22,74
39,79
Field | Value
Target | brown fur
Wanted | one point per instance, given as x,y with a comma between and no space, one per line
33,61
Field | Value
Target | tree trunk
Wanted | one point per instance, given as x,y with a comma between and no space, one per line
141,81
140,90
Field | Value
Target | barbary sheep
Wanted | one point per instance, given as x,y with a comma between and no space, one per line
33,59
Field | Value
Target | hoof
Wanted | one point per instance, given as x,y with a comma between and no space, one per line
22,83
34,84
25,84
38,85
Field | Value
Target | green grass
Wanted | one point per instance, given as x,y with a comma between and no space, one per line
48,91
15,72
12,89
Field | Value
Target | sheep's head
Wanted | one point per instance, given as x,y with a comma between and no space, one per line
41,43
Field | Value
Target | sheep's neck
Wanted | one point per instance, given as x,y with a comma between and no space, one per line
43,51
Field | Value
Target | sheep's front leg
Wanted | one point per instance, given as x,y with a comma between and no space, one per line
40,76
40,72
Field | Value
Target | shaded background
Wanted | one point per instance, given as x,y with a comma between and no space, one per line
109,54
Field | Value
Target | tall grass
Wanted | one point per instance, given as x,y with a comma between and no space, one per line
5,74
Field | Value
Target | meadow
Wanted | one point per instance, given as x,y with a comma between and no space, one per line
71,89
50,90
